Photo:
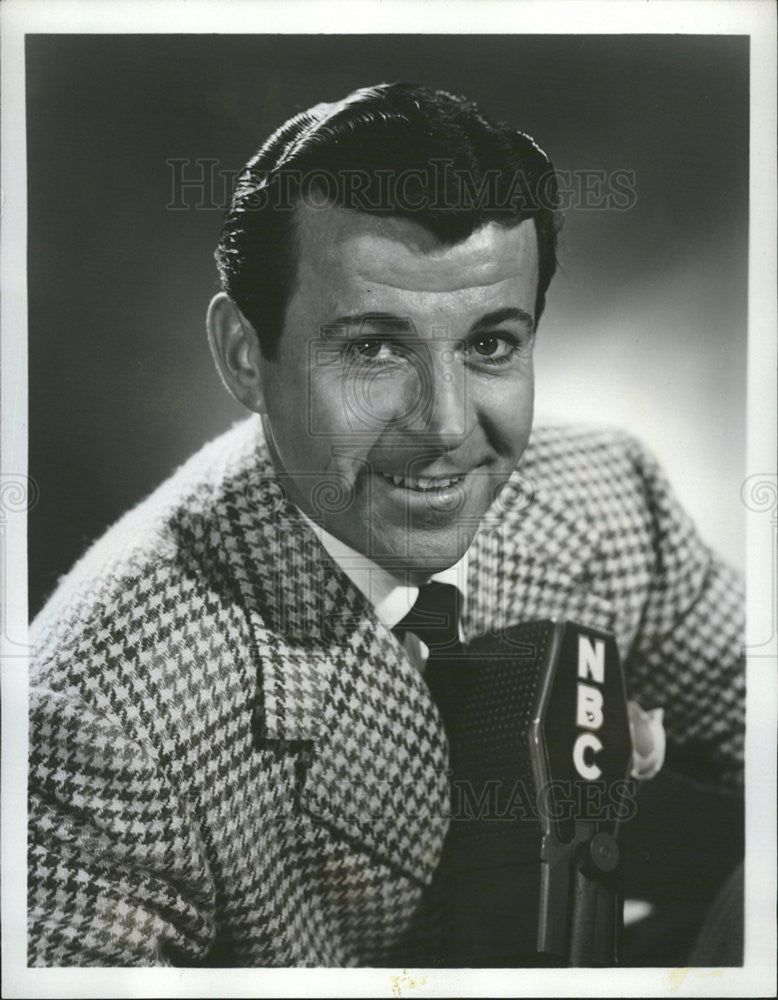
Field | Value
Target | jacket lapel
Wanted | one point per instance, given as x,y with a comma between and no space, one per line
332,676
380,770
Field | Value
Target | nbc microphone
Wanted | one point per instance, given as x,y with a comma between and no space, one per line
540,754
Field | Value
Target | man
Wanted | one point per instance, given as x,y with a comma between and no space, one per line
235,756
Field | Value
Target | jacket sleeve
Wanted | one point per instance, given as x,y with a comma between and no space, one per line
117,870
687,654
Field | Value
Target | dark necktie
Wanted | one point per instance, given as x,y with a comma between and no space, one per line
434,618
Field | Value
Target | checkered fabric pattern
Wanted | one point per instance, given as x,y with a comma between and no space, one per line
232,762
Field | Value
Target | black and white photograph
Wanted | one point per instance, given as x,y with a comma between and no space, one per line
388,504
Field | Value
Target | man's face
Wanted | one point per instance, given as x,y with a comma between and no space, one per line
401,397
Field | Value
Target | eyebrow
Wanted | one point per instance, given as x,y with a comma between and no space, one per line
358,320
503,316
389,321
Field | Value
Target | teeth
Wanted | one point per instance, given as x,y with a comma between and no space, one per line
424,482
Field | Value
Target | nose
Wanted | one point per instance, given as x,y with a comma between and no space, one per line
445,411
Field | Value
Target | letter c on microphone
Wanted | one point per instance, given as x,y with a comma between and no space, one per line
586,741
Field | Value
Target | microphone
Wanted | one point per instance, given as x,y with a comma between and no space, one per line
540,752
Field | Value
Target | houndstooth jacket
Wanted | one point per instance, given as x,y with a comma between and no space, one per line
233,762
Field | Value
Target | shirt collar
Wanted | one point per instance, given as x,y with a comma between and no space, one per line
391,599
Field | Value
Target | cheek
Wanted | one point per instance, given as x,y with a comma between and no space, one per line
356,406
505,413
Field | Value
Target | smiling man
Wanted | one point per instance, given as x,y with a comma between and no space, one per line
415,360
236,757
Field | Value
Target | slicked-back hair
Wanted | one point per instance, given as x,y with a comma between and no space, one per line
394,149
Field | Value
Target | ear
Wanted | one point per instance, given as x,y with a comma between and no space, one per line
236,351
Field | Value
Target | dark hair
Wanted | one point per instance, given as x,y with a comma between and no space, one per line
394,149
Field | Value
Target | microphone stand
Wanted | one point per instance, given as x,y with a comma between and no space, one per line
581,900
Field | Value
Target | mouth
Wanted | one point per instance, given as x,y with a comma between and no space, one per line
423,484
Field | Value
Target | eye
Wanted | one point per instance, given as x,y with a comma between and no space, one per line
367,348
492,347
375,350
488,346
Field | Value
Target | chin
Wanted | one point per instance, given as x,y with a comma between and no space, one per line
426,560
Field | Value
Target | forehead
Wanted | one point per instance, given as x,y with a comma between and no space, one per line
343,252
